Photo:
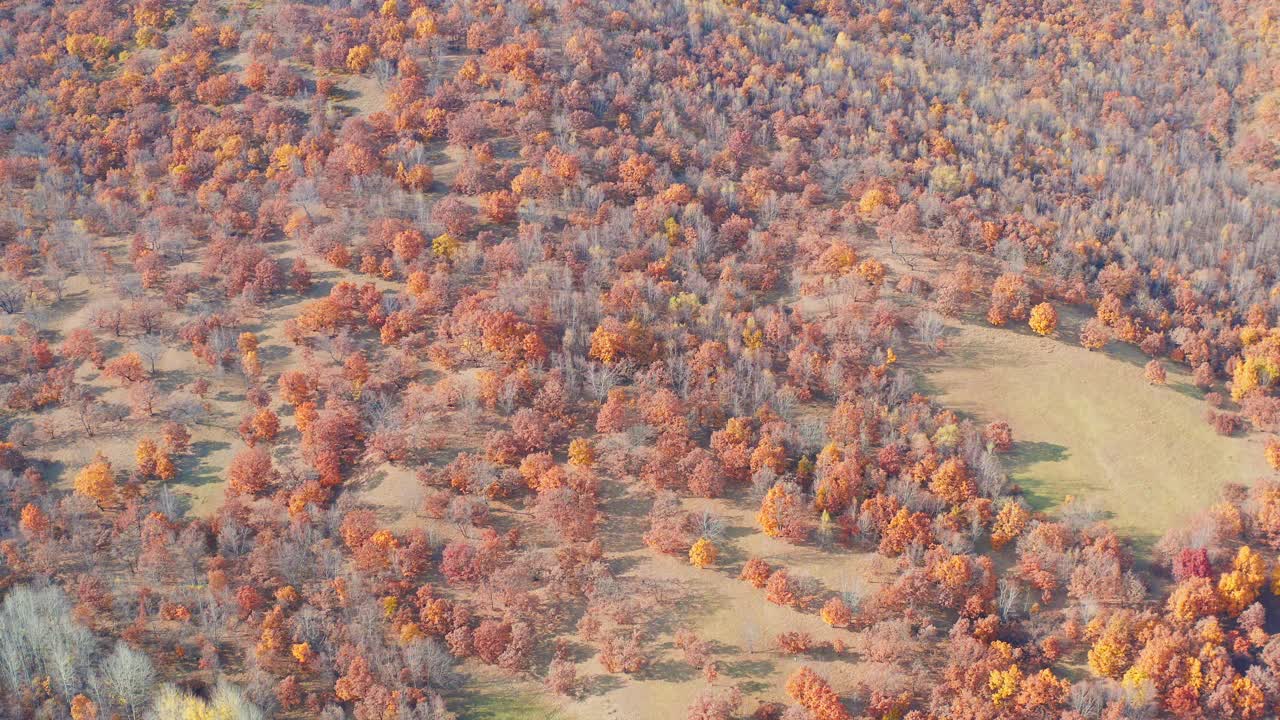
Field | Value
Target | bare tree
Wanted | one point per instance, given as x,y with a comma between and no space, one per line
130,678
929,325
12,297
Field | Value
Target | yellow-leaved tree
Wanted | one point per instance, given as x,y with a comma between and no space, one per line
96,480
1044,319
703,553
1240,587
1004,683
227,703
1113,649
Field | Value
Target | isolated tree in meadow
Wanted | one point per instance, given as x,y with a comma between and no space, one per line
756,572
126,368
1155,373
998,436
562,677
1044,319
703,553
837,613
781,589
1203,376
176,437
715,704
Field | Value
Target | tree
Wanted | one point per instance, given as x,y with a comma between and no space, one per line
1044,319
837,613
794,642
96,481
82,708
1043,693
1010,522
756,572
33,522
1004,683
703,553
952,481
126,368
490,639
296,387
1192,562
562,677
357,681
250,472
813,693
1192,599
288,693
782,590
999,437
715,705
131,679
262,426
1112,651
1010,299
359,58
781,513
1094,335
580,452
227,702
1240,587
1155,373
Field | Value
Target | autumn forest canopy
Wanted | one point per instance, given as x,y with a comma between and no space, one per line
587,359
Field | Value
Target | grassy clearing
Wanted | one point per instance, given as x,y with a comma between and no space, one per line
498,699
729,613
1088,425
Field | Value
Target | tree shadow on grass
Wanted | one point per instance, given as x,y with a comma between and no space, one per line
1028,453
205,473
601,684
1187,389
668,671
748,668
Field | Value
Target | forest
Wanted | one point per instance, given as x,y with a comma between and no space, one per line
591,359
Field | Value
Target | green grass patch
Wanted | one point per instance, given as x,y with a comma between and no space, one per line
495,703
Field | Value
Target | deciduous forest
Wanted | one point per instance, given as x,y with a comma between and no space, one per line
639,359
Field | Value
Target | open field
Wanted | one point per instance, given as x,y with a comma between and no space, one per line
1087,425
